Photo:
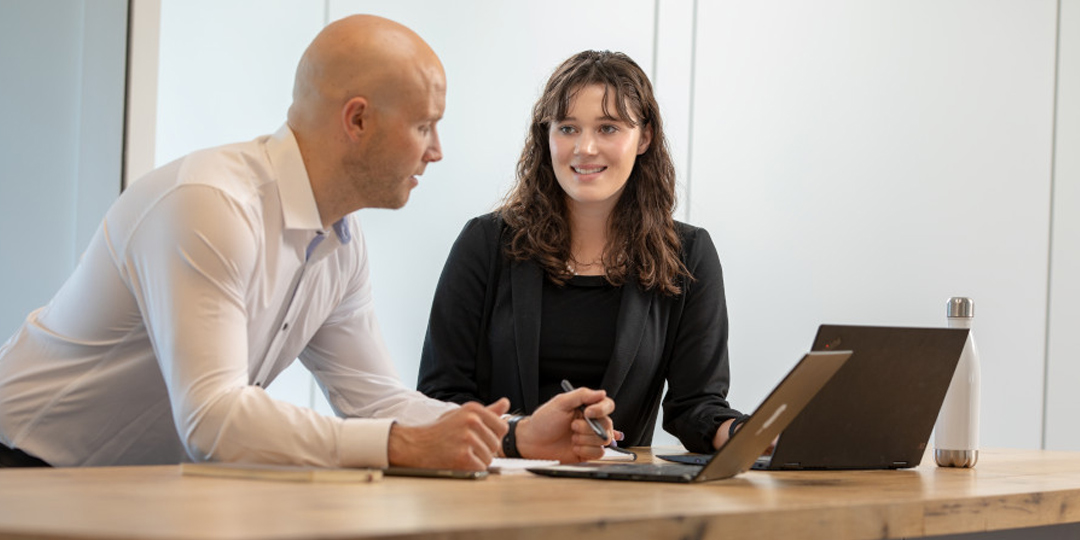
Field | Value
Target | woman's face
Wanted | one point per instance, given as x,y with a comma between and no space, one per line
593,153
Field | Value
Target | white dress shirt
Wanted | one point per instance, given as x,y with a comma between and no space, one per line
205,280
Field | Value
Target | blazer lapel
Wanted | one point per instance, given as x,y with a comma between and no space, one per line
630,328
526,282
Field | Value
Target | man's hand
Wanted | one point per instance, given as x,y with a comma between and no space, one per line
464,439
557,430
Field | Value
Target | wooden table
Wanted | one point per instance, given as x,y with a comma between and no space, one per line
1009,489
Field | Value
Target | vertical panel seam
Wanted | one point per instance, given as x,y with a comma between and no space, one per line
124,131
655,41
1050,227
690,117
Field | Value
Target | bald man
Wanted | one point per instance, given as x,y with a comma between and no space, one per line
211,275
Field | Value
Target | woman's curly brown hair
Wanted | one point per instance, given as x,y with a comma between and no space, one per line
642,241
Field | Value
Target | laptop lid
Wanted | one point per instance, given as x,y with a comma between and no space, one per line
877,412
781,406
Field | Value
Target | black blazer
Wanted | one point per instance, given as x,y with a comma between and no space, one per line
483,335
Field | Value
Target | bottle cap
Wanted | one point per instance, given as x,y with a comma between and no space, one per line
960,306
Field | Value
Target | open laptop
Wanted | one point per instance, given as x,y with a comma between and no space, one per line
879,409
771,417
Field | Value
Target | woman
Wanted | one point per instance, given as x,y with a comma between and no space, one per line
582,274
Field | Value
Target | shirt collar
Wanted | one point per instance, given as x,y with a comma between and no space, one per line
298,207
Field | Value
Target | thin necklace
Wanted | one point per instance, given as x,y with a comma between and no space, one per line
572,266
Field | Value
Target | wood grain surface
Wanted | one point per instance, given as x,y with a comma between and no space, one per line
1009,489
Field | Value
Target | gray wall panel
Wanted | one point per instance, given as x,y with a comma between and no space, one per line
61,118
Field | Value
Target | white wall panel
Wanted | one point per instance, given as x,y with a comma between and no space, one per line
226,69
860,162
1063,374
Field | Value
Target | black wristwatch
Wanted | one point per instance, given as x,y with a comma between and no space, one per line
509,442
738,421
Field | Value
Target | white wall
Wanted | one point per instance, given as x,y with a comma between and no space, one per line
868,161
855,161
226,69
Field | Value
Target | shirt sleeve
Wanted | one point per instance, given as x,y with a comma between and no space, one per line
353,366
190,262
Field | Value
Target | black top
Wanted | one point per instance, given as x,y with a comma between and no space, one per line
577,332
484,339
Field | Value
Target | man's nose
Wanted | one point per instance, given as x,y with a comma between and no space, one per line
434,152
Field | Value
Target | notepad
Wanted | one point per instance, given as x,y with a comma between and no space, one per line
280,473
612,454
514,465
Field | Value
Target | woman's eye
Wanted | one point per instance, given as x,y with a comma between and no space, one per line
608,129
566,130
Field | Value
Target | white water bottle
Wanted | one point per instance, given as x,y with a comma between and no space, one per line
956,438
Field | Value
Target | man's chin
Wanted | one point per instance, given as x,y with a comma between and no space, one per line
399,203
411,183
404,199
392,201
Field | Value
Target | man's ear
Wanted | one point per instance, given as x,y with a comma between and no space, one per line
646,139
356,117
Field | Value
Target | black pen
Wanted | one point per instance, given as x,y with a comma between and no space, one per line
567,387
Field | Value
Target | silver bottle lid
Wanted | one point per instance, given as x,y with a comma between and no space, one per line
960,306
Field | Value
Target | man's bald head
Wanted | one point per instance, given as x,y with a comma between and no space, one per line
368,95
361,55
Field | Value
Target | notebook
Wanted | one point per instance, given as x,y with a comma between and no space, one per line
281,473
454,474
879,409
781,406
